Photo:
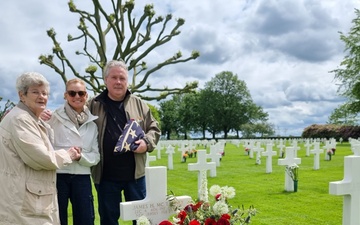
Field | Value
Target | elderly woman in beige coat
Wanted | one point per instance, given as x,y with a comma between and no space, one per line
28,161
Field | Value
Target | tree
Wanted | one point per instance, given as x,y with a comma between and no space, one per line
169,116
229,100
343,116
8,106
134,40
188,113
349,71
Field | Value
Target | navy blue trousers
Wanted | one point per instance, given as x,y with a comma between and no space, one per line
109,198
77,189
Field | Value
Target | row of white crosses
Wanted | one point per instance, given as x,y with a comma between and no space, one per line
156,207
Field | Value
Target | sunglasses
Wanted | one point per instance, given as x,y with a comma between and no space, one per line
73,93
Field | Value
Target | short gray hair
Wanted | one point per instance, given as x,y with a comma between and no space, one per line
28,79
114,63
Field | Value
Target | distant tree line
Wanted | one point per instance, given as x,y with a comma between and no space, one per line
224,105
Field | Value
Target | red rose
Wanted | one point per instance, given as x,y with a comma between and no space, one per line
210,221
182,215
197,206
194,222
226,216
217,197
222,221
165,222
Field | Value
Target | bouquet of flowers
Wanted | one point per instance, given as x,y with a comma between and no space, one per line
293,171
205,212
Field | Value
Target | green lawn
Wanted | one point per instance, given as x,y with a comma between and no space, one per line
312,204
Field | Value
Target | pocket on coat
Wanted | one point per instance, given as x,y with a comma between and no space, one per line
39,200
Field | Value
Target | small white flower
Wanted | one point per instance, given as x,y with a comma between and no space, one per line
215,189
228,192
220,208
142,220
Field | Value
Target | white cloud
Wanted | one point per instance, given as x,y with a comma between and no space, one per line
283,50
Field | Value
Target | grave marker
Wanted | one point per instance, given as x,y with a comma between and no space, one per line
170,150
289,160
258,151
349,187
214,155
202,165
149,158
307,145
317,151
269,153
155,206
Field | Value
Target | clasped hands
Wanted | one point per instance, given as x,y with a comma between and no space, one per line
74,153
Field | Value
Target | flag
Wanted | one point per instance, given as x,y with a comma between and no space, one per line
131,133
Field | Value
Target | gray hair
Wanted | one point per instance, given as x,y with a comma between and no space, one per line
28,79
114,63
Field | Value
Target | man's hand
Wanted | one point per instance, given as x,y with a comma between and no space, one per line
142,146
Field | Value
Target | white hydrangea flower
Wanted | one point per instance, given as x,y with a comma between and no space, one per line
215,189
220,208
228,192
176,220
142,220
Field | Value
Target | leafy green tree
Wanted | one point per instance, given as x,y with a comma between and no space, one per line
203,114
229,97
7,107
265,129
155,113
188,113
348,73
169,114
343,116
135,37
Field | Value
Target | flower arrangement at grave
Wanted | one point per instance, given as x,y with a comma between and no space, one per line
329,153
184,156
333,151
194,152
293,171
247,151
218,211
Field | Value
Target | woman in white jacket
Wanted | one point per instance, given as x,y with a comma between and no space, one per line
73,125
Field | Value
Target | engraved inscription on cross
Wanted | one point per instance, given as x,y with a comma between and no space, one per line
155,206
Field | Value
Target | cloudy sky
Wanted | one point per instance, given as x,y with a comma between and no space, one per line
282,49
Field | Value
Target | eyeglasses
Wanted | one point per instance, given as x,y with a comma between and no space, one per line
73,93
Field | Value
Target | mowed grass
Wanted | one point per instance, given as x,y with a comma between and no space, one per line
312,204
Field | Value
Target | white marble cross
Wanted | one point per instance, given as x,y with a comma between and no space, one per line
290,159
251,147
170,150
349,187
281,148
258,151
149,158
307,145
155,206
202,165
317,151
214,155
295,147
158,152
269,153
327,148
